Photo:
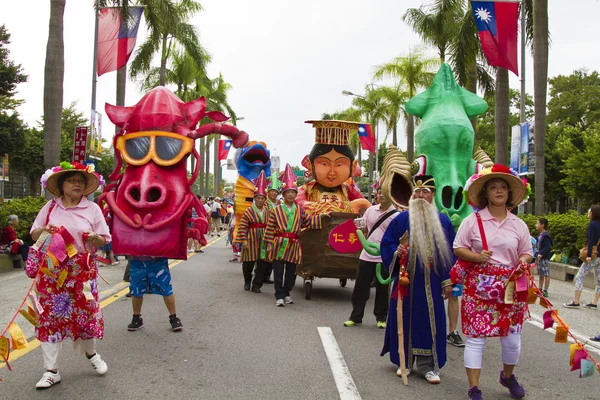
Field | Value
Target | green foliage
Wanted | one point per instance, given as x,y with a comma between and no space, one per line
26,208
575,99
568,230
12,133
486,125
11,74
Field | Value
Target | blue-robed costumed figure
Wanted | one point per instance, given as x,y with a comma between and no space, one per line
430,258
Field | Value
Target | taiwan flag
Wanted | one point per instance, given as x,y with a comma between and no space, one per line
116,40
224,146
367,139
497,23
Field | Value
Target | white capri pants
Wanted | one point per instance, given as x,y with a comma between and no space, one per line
511,349
52,351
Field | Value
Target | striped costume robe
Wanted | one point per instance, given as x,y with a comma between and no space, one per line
251,229
288,249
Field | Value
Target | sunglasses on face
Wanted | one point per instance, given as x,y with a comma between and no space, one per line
164,148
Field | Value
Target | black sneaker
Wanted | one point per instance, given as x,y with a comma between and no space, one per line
176,324
455,340
136,323
572,304
591,305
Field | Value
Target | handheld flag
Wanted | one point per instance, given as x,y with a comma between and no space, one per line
224,146
367,139
497,23
116,40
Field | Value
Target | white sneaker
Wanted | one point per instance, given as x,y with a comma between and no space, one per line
48,380
99,364
399,372
288,300
432,377
280,303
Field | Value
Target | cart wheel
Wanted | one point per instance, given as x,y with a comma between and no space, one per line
307,289
343,282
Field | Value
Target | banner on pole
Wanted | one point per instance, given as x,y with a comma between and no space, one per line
79,144
522,148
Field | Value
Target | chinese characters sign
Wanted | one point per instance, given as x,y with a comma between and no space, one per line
79,144
343,238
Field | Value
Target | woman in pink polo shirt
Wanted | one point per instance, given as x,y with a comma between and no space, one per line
68,290
487,265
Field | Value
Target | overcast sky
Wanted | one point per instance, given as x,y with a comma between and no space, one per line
287,61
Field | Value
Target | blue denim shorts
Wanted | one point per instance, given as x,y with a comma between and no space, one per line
153,274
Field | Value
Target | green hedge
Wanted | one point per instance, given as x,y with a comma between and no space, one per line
25,208
568,230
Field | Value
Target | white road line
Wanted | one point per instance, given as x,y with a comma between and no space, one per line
589,346
343,380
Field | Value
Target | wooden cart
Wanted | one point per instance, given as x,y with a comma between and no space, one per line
319,260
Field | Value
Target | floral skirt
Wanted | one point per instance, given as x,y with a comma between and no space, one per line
69,308
484,312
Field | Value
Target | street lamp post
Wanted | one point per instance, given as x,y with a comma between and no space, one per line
376,127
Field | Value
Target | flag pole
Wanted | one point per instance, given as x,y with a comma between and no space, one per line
94,71
523,51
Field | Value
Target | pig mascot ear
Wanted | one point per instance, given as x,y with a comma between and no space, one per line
119,115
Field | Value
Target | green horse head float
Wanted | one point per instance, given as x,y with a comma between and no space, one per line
444,141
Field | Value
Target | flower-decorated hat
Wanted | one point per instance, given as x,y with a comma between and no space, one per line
274,183
288,180
474,188
260,185
50,178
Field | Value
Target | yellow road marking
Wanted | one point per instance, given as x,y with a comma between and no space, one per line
34,344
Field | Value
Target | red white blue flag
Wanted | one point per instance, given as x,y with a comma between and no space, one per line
116,40
367,139
224,146
497,23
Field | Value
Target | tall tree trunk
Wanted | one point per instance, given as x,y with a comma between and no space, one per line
54,72
410,138
395,134
502,122
163,62
540,90
201,173
206,185
472,87
216,180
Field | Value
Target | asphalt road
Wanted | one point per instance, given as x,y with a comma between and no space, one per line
238,345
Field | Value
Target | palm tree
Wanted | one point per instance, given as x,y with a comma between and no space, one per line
372,107
168,25
413,71
540,89
502,111
54,72
436,24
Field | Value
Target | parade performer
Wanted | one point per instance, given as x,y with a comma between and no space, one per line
282,234
250,161
273,191
150,201
331,163
429,261
494,248
67,290
377,218
250,234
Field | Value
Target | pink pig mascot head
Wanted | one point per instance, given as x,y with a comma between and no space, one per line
150,201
